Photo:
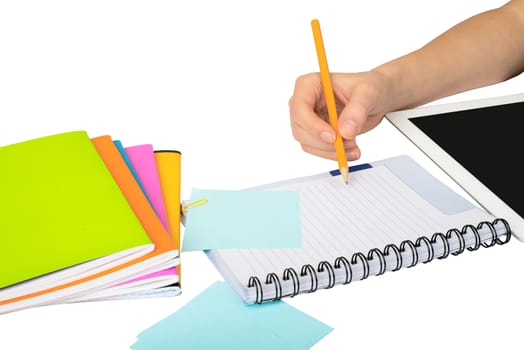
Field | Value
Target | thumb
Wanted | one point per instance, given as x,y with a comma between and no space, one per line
352,119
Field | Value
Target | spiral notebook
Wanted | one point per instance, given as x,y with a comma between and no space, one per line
392,215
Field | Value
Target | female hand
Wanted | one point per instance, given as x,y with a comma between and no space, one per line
362,99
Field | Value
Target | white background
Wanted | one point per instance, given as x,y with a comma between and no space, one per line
212,79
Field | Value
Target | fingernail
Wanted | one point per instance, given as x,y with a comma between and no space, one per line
348,129
327,137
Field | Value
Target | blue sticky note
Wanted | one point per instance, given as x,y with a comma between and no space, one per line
217,319
242,219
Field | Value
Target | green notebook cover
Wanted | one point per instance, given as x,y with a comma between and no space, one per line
59,206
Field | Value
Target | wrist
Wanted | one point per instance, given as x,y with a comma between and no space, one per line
391,87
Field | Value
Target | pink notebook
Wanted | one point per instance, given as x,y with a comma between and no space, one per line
142,158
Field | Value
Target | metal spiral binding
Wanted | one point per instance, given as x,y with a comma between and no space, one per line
365,264
429,247
347,267
445,243
460,237
473,230
381,258
341,262
413,249
255,282
398,255
506,228
309,270
272,278
289,272
331,272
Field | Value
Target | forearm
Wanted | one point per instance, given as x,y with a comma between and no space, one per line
482,50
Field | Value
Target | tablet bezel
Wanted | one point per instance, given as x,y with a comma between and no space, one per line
466,180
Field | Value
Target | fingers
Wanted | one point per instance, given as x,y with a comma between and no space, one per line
352,152
352,119
311,129
308,127
365,105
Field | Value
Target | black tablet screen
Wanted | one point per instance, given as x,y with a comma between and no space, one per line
488,142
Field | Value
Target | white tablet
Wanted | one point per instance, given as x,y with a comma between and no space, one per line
480,144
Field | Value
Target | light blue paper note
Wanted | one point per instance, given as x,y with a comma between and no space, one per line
217,319
242,219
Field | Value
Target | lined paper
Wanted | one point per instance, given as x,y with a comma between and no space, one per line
374,210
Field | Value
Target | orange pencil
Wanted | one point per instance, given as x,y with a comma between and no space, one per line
330,99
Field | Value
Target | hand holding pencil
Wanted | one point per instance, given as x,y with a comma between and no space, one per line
362,99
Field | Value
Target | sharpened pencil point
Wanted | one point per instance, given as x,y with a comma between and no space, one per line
345,175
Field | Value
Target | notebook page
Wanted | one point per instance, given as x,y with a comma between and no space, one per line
374,210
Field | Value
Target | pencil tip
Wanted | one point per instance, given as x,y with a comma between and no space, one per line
345,175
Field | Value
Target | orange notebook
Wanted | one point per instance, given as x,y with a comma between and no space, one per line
86,282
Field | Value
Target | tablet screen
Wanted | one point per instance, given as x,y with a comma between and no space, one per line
488,142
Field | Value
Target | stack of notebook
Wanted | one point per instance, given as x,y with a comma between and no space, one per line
86,219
